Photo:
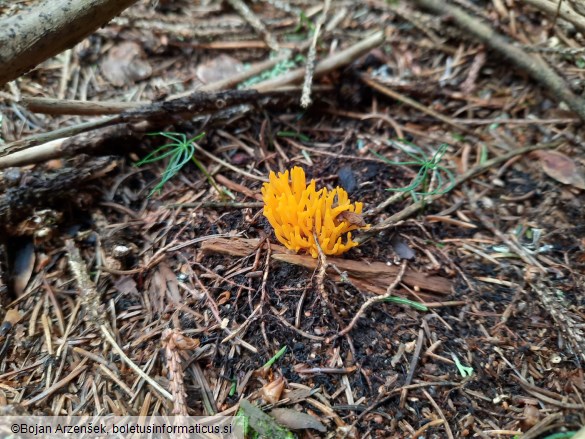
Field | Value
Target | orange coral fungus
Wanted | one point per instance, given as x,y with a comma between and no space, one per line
296,210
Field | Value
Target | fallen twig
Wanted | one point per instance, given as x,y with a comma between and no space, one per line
100,108
561,8
413,208
370,302
47,29
405,99
325,66
533,65
310,64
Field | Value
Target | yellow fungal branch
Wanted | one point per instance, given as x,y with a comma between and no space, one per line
296,210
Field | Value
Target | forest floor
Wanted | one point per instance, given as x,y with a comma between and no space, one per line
482,230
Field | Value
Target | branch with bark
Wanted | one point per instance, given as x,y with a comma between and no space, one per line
535,66
49,28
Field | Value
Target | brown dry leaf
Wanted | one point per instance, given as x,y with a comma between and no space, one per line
223,298
296,420
217,69
125,64
352,218
562,168
271,392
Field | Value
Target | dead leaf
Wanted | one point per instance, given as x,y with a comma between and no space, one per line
125,64
355,219
296,420
217,69
223,298
562,168
271,392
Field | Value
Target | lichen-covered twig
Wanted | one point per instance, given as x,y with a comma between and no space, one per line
310,64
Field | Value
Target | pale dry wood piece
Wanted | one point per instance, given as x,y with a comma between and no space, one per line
48,28
77,107
374,276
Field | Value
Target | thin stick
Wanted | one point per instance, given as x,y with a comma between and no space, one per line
422,108
94,108
255,22
74,373
370,302
106,333
327,65
558,8
440,412
48,28
229,165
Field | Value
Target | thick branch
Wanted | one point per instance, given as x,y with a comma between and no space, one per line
49,28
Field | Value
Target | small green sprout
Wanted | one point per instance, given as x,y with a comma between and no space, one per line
402,301
429,168
304,21
233,387
294,135
279,354
179,151
463,370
